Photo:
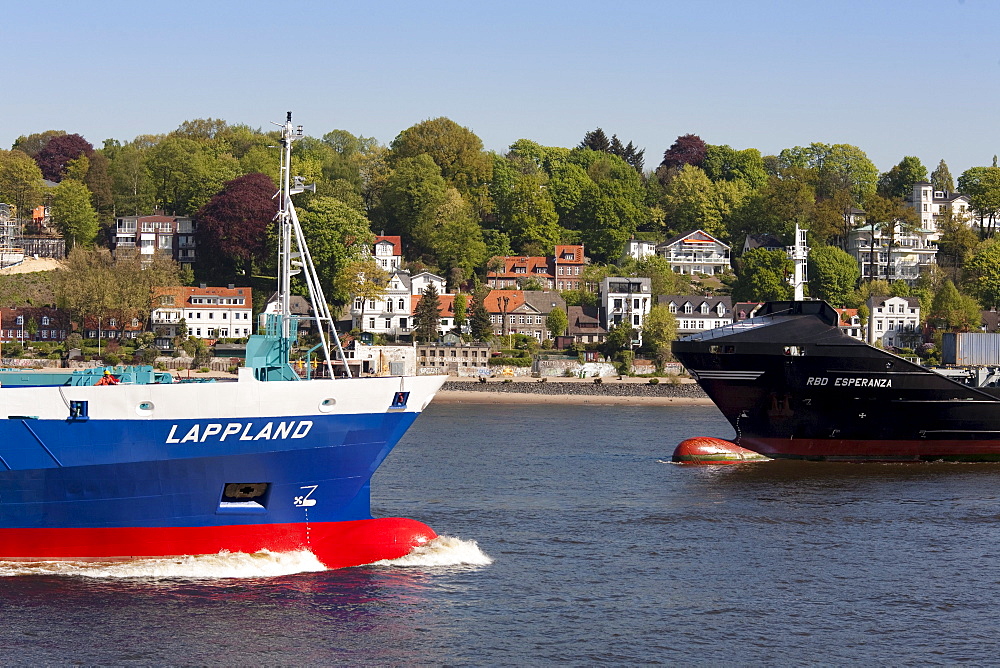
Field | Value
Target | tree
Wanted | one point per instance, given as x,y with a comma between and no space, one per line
954,312
456,150
411,195
891,217
941,178
455,239
596,140
763,276
898,181
461,307
686,150
833,168
833,275
556,321
338,236
73,213
58,152
956,244
659,329
427,314
20,182
982,186
723,163
232,228
479,324
982,273
619,339
131,185
33,143
523,206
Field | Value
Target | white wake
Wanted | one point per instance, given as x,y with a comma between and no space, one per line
262,564
442,551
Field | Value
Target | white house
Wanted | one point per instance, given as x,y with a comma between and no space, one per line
639,250
208,312
628,299
390,314
895,321
934,206
696,252
388,252
695,313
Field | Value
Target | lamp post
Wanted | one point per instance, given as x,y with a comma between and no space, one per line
503,318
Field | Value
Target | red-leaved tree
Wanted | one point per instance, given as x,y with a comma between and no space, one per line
232,227
687,150
60,150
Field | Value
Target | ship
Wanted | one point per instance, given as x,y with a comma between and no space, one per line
128,463
794,386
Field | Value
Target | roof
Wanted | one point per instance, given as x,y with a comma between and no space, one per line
695,236
446,305
875,302
544,301
762,241
845,315
584,320
183,295
397,246
697,300
569,254
503,301
530,264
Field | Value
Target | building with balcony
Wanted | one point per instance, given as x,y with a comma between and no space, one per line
696,252
934,206
146,235
895,321
627,299
695,313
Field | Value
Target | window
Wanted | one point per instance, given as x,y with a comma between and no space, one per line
402,305
688,308
45,320
618,304
703,309
371,323
635,320
672,307
388,305
635,303
20,320
388,323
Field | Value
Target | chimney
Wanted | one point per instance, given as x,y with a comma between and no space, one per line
232,286
203,286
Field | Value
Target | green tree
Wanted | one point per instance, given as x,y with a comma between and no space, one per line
941,178
454,239
523,207
659,329
898,181
20,182
763,276
833,168
689,202
982,186
73,213
338,236
982,273
427,314
723,163
556,321
131,185
619,339
456,150
952,311
411,196
956,244
479,324
612,206
461,308
833,275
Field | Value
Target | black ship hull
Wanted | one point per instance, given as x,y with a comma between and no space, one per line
794,386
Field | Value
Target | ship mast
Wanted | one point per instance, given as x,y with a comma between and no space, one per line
294,256
799,255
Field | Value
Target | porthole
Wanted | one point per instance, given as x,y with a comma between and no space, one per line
327,405
144,409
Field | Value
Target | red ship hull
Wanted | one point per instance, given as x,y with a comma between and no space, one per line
335,544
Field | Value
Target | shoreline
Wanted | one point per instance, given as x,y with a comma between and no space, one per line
628,391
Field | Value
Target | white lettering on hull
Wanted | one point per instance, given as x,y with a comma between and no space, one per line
216,431
819,381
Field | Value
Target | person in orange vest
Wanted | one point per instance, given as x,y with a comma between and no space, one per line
107,379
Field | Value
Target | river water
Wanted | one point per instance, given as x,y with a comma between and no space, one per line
569,539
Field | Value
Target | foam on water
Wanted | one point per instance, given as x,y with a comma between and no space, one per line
442,551
208,566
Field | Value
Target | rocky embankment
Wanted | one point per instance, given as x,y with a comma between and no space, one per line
608,388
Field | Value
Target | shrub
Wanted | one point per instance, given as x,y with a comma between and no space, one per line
112,359
654,381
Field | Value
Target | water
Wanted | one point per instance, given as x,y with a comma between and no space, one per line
568,539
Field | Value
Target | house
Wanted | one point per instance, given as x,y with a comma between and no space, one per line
33,323
446,311
912,253
172,235
696,313
627,299
850,323
695,252
388,252
207,312
297,305
934,206
420,281
522,311
112,328
391,314
895,321
765,241
638,250
585,324
562,271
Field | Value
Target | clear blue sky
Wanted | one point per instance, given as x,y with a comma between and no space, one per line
907,77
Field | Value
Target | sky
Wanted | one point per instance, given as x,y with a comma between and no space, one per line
895,78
